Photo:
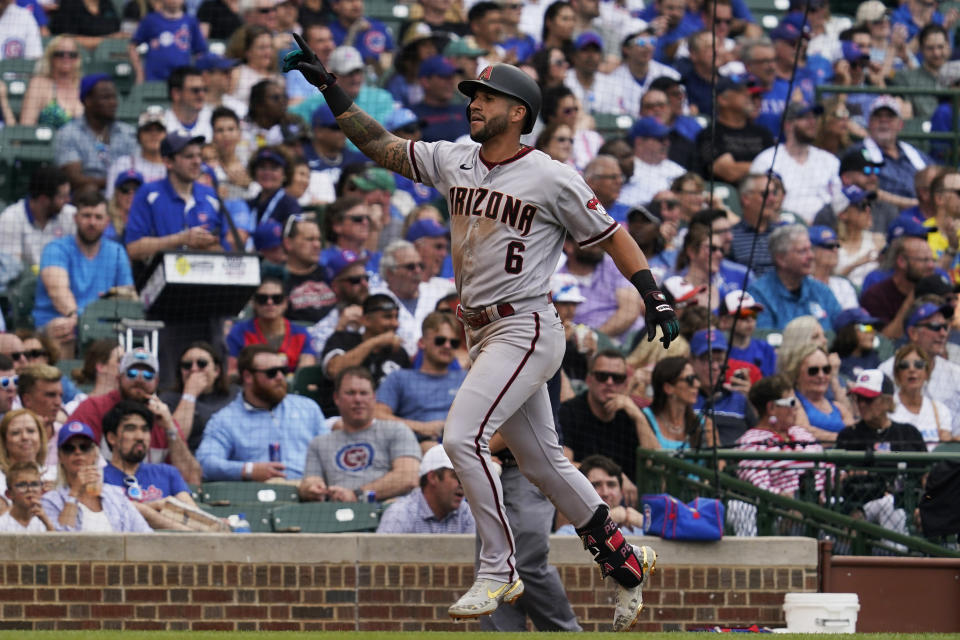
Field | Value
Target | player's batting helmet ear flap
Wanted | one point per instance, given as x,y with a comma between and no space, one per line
509,80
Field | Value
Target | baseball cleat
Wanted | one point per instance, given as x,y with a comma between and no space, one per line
630,601
484,597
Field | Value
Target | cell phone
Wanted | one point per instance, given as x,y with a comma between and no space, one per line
742,375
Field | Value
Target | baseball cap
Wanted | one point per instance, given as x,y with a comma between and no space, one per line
851,195
345,60
416,32
128,176
141,357
857,315
268,155
648,127
788,31
870,10
587,39
935,284
267,235
463,48
885,102
926,311
565,287
872,383
853,53
294,131
797,110
379,302
174,143
754,84
699,343
373,179
435,458
681,293
400,118
425,229
732,301
154,114
213,62
905,225
823,237
436,66
857,160
91,80
75,429
340,260
323,117
729,83
650,213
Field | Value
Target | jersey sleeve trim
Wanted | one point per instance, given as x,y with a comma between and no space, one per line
413,163
603,235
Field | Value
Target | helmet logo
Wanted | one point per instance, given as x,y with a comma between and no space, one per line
485,74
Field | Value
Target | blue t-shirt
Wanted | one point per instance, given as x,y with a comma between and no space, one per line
420,193
370,43
373,258
157,211
759,353
156,480
524,46
319,163
171,42
89,277
415,395
442,123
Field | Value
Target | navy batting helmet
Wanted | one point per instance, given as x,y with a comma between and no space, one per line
509,80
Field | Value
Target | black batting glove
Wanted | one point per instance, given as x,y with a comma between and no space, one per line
306,62
658,312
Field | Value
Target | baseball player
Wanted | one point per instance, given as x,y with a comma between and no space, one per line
510,210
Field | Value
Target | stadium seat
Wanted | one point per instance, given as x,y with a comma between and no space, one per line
326,517
259,515
729,195
22,292
612,125
67,366
150,93
307,380
100,318
229,493
24,149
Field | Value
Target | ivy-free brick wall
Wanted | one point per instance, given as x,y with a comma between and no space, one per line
360,582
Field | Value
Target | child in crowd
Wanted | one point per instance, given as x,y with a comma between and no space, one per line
24,489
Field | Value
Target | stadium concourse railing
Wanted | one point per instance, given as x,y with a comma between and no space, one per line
854,484
916,129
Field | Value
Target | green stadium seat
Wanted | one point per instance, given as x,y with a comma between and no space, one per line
100,318
612,125
24,148
229,493
22,292
67,366
307,380
259,515
729,195
326,517
150,93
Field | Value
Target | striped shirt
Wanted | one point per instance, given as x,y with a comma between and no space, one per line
412,514
778,476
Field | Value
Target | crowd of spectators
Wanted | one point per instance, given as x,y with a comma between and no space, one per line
764,208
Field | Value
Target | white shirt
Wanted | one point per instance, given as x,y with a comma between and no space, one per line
933,417
941,386
25,242
151,171
633,89
411,324
844,292
19,34
605,96
200,128
648,180
8,524
809,185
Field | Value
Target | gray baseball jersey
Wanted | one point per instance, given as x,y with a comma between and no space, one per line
351,460
508,221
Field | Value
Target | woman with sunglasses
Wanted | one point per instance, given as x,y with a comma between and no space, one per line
859,246
268,326
670,422
23,439
835,127
561,106
201,390
699,264
551,65
53,95
808,367
556,140
855,341
911,371
81,501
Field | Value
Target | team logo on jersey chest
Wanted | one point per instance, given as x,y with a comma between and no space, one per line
477,201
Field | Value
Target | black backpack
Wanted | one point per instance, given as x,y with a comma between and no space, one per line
940,503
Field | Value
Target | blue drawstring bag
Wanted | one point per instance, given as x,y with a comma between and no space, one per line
667,517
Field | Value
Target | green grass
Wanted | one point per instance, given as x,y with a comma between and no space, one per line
433,635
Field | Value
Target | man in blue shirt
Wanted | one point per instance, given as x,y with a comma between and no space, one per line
445,118
420,398
371,40
236,442
731,413
127,428
76,270
788,290
178,211
757,352
172,37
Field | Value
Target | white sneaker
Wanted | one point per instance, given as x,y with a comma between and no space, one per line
630,601
484,597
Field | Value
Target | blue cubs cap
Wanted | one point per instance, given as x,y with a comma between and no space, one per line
91,80
788,31
436,66
857,315
853,53
588,39
323,117
699,342
74,429
128,176
213,62
426,229
340,260
648,127
174,143
907,226
268,155
267,235
927,311
823,237
401,117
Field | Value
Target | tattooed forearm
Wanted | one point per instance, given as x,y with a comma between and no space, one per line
374,141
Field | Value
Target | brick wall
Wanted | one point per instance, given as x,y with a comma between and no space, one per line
256,582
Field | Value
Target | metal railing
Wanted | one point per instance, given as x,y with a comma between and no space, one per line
839,493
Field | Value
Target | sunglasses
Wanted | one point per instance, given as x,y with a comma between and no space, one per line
33,354
669,204
134,490
358,219
871,171
196,90
935,326
413,266
439,341
864,399
264,298
726,21
146,374
645,41
126,190
826,369
830,247
866,328
9,381
272,372
786,403
690,379
355,280
563,139
609,376
201,363
918,364
73,55
266,10
84,446
17,355
23,487
559,62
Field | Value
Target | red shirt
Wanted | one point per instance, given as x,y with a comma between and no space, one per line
91,412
